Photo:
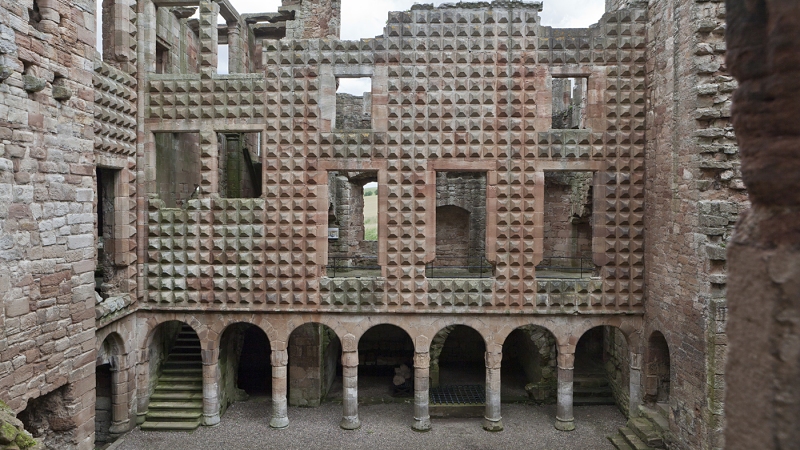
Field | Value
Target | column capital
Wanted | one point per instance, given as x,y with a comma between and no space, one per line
422,360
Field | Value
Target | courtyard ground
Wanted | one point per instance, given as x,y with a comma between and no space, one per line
384,426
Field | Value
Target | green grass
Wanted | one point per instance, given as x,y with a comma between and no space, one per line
371,216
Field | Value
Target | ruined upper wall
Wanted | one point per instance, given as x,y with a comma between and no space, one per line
466,87
314,19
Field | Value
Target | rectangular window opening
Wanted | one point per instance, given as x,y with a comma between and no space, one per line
568,225
178,168
569,103
353,103
460,227
162,58
239,165
353,230
107,180
223,58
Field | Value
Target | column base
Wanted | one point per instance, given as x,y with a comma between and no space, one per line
279,422
140,417
350,423
565,425
492,425
421,425
119,428
210,420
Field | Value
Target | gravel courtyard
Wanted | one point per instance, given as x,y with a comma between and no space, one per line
384,426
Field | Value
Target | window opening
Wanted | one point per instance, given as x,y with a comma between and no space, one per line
239,165
162,58
568,225
353,225
460,227
569,103
353,103
107,180
178,168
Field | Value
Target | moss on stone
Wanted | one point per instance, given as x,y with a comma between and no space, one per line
8,433
24,440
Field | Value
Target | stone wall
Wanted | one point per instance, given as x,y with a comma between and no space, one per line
692,199
47,248
466,191
314,19
617,366
762,399
353,112
306,366
568,216
177,167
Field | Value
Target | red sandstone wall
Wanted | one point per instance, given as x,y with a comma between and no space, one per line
693,197
47,225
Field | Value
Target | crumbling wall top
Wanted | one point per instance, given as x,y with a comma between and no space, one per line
508,4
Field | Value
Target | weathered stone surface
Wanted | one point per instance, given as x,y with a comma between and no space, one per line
762,398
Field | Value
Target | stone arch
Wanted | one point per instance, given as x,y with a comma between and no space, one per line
219,325
153,322
602,366
657,368
161,333
530,364
244,349
111,388
386,351
439,340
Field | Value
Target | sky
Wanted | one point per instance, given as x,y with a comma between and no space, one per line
366,18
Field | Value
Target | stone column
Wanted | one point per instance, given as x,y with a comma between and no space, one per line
280,418
211,392
635,384
564,419
235,59
492,420
142,382
422,418
350,419
209,39
120,420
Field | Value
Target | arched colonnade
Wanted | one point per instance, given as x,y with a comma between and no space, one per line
132,337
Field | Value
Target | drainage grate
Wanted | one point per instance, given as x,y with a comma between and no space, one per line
466,394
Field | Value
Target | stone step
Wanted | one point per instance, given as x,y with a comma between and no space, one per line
182,372
170,426
182,365
174,415
619,442
632,439
655,416
175,404
181,377
663,409
180,385
176,395
591,391
646,431
592,401
589,381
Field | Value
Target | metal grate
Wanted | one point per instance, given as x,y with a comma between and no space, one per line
466,394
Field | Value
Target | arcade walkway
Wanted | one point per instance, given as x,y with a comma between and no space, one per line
384,426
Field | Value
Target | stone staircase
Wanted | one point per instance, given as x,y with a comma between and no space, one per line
591,389
177,403
649,431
